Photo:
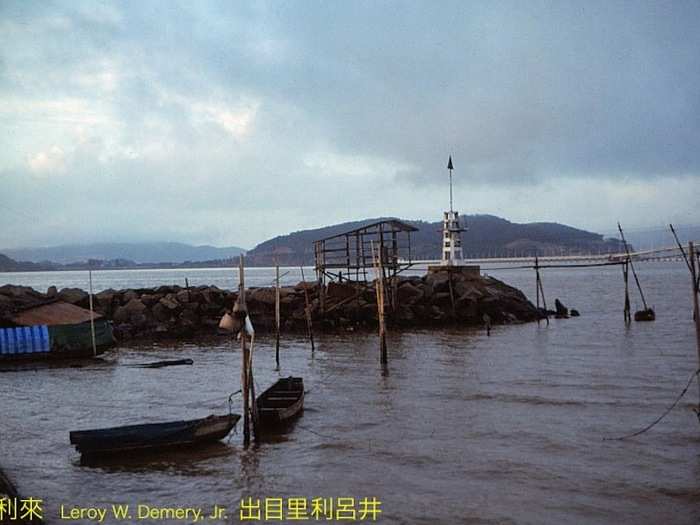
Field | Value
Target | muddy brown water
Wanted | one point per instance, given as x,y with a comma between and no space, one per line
465,428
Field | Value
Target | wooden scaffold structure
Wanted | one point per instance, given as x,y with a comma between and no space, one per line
348,256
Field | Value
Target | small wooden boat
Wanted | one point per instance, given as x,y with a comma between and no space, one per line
153,435
279,404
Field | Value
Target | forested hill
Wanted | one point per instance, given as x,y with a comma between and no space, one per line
488,235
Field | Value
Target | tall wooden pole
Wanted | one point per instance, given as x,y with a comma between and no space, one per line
540,289
634,272
92,318
307,311
245,375
625,274
277,316
379,288
696,309
537,288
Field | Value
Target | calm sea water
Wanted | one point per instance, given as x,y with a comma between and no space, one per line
464,429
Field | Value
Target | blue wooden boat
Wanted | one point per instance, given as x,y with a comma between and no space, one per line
133,438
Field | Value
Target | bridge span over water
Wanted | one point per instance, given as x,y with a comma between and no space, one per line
665,254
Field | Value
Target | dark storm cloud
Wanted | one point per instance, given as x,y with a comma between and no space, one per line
207,106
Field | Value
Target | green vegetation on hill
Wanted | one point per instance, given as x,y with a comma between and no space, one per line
487,235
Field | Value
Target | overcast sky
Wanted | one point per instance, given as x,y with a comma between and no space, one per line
227,123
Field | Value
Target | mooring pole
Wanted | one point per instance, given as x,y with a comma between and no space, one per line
541,289
696,309
307,311
92,318
379,289
277,316
625,275
537,287
245,375
634,272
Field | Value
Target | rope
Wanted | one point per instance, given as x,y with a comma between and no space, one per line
230,401
325,436
532,267
658,420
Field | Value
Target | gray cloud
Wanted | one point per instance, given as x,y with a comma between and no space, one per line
230,122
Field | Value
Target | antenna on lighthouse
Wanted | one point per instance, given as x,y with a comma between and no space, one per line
450,167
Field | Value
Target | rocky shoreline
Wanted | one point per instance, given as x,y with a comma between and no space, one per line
435,299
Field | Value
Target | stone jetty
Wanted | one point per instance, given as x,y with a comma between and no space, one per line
435,299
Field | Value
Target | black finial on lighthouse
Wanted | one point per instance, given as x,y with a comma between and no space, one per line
449,164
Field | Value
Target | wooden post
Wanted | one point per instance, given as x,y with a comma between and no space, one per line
540,290
696,308
379,288
92,318
321,293
245,374
625,274
277,316
452,293
307,311
537,288
634,272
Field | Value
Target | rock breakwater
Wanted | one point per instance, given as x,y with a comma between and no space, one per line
435,299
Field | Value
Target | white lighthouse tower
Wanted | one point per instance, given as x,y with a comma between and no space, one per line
452,254
451,232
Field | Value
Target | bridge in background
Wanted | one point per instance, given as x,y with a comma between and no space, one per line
666,254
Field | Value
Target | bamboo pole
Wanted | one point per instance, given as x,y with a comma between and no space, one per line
379,288
277,316
540,289
245,356
696,308
307,311
625,274
452,293
537,288
634,272
92,318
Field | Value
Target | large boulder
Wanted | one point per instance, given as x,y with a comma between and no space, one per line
409,293
121,315
337,292
170,302
149,299
161,313
265,296
129,295
438,281
74,296
135,306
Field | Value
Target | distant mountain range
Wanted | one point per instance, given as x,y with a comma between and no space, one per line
661,237
487,235
142,253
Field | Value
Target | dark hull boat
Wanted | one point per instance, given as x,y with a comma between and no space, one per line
134,438
280,404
